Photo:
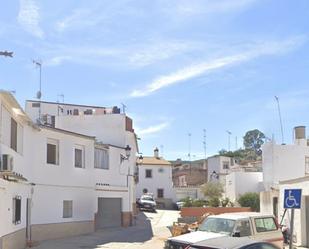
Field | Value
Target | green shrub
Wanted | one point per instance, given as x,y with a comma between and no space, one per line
214,202
251,200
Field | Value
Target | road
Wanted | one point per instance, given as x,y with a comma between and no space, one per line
149,232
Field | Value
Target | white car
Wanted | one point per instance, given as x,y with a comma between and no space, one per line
147,202
255,226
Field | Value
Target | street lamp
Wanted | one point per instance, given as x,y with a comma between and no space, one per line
127,155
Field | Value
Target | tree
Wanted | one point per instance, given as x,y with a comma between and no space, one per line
214,191
251,200
253,141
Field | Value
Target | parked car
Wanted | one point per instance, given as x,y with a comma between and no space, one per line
232,243
147,202
255,226
179,204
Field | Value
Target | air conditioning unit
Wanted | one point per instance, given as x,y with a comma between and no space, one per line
6,163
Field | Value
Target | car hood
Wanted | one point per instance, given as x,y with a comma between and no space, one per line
190,238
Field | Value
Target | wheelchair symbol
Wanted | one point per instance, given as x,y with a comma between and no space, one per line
290,201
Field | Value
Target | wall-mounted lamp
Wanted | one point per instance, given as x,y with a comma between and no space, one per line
214,175
127,156
140,160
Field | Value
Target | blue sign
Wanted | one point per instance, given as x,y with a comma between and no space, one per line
292,198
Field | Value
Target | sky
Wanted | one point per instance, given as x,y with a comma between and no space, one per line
179,66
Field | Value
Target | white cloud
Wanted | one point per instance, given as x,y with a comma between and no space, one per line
79,18
29,17
184,8
195,70
151,130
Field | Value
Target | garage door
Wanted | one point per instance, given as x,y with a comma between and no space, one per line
109,213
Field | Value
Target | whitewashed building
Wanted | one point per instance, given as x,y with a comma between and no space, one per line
155,177
240,182
287,166
61,180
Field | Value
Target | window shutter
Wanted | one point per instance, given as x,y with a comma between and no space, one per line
13,134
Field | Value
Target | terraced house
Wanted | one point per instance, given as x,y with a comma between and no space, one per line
65,170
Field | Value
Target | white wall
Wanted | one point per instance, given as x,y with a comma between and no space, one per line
9,190
283,162
215,163
191,192
158,180
238,183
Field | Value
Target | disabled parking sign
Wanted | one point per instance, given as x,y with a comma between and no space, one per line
292,198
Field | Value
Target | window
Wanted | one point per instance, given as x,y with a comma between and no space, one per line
36,105
13,134
160,192
265,224
306,165
226,165
17,210
160,170
148,173
76,112
243,227
79,161
52,151
67,209
101,159
88,112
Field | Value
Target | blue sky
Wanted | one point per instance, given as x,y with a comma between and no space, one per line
179,66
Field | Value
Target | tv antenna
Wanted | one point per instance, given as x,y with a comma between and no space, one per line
229,139
38,64
279,112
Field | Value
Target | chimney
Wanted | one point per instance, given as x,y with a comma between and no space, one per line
300,135
156,152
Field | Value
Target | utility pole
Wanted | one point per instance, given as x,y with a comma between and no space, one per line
229,139
281,126
236,143
39,93
204,144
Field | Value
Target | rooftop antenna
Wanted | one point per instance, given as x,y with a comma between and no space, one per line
161,148
281,126
189,147
229,139
62,96
204,145
38,64
124,107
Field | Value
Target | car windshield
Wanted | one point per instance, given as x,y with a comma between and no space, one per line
218,225
147,198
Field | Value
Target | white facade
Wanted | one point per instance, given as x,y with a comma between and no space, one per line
287,167
221,165
155,176
238,183
43,188
284,162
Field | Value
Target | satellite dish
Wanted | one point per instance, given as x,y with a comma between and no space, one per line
38,95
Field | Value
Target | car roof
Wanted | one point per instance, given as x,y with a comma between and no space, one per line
225,242
240,215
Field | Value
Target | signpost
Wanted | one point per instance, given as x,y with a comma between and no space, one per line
292,200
